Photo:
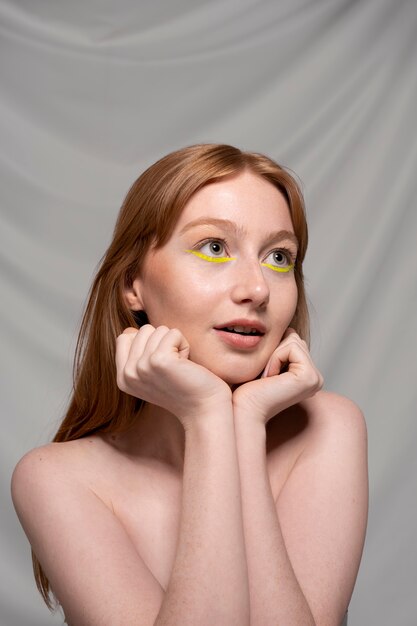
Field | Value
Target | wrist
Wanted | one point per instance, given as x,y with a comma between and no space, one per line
250,437
246,423
209,418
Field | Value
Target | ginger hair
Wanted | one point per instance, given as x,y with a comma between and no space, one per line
147,218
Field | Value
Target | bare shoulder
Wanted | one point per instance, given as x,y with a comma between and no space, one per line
330,403
41,474
57,453
51,462
323,504
326,405
68,523
55,470
333,417
326,429
324,421
38,462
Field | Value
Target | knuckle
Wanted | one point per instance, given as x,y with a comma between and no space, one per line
158,360
120,382
129,331
130,374
318,381
313,379
142,368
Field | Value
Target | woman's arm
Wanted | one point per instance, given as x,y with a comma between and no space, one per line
209,580
209,583
93,566
303,551
276,598
89,558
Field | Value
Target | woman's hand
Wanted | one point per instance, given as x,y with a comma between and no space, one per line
273,392
153,364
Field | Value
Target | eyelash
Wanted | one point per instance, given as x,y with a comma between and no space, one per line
291,258
200,244
288,253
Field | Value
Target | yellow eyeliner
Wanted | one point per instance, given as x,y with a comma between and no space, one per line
212,259
278,269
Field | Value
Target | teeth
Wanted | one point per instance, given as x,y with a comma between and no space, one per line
242,329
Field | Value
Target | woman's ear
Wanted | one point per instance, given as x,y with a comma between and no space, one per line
133,296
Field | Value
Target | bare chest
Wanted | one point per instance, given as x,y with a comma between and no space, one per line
151,516
148,504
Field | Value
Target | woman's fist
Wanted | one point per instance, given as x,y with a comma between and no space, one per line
274,391
153,364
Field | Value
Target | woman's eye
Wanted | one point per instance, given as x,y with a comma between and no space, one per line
280,260
213,248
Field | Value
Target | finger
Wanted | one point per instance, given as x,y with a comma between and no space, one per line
129,344
288,332
153,341
277,359
289,336
301,366
175,341
141,341
274,364
130,331
123,344
290,352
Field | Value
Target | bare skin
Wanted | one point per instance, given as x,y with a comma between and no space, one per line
235,499
144,492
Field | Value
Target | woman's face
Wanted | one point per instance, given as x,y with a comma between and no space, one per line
227,265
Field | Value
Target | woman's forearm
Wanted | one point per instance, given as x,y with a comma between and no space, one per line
276,598
209,580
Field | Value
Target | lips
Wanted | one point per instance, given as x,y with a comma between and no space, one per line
242,334
242,326
243,330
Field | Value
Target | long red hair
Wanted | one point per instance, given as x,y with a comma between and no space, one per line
147,217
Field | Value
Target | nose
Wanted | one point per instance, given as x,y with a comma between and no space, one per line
250,285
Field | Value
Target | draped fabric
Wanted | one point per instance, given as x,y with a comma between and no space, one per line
93,92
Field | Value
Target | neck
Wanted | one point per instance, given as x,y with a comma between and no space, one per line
157,435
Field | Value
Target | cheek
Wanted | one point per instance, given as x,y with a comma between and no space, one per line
179,297
285,305
294,297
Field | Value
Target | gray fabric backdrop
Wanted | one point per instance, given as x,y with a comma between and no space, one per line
93,92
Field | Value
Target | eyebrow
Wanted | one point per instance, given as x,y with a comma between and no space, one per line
278,235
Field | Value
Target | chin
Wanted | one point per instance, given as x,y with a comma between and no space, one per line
238,378
233,373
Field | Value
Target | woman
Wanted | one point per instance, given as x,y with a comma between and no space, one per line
200,476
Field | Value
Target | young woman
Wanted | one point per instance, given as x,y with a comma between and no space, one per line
200,475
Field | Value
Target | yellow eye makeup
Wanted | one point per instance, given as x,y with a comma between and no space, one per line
212,259
279,269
